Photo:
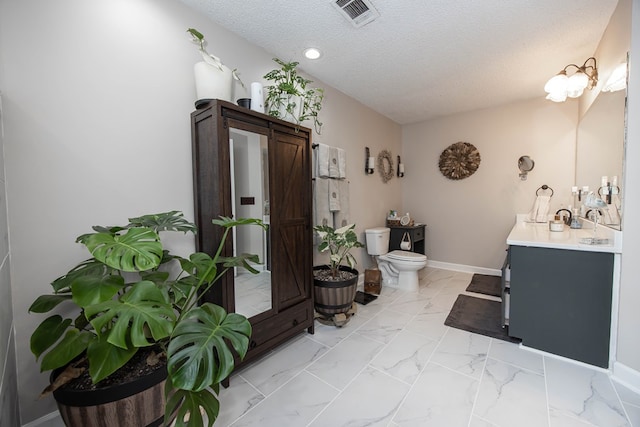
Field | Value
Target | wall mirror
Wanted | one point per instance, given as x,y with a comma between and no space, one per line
600,144
249,167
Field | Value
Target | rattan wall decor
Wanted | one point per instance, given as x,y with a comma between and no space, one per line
459,160
385,165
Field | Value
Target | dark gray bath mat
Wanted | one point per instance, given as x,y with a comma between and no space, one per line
478,315
484,284
364,298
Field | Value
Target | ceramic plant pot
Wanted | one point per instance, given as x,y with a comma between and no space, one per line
212,83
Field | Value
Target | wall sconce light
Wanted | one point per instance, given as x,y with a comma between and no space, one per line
369,162
400,168
617,80
560,86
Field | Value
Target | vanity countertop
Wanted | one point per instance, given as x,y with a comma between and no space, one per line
533,234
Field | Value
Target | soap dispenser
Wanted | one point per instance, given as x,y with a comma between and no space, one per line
575,222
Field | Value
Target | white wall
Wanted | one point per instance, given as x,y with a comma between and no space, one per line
9,409
468,220
628,352
97,103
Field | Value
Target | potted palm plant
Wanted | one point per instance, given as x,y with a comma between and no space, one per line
335,283
290,97
138,336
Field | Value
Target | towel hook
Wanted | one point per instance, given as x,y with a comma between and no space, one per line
545,187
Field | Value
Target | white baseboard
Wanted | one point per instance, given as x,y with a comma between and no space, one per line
626,376
464,268
44,419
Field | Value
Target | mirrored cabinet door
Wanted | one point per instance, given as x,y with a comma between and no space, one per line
249,170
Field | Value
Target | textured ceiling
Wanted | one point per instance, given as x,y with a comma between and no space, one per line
425,58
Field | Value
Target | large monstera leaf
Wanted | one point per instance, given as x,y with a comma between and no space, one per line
184,407
198,355
138,249
142,309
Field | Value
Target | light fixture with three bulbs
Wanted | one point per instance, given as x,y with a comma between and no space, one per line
561,86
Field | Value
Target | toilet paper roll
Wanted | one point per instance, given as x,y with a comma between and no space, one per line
257,98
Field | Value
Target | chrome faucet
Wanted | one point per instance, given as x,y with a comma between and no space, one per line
565,218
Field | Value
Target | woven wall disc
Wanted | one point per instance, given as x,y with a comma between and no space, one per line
459,160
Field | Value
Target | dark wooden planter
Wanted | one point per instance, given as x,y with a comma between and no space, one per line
134,404
333,297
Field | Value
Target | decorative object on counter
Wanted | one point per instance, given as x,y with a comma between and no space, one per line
526,165
459,160
385,165
213,79
369,161
567,219
557,224
400,168
560,86
291,97
335,284
406,219
596,204
257,97
132,309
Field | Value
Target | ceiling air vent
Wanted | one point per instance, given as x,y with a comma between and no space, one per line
358,12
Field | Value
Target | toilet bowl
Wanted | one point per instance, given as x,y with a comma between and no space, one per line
399,268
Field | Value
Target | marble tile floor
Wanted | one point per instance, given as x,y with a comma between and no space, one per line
396,364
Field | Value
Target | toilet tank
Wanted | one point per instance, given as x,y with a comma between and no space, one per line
377,240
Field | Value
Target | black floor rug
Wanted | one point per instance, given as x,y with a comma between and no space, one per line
364,298
480,316
483,284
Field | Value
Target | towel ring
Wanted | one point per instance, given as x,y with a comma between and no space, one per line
545,187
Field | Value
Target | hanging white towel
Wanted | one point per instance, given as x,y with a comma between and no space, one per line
322,161
333,163
322,214
334,195
342,163
341,217
540,210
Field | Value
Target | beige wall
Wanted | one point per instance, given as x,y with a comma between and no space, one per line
97,102
468,220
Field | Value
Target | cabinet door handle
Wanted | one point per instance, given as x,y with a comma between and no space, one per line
295,322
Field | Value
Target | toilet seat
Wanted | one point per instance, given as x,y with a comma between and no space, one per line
406,256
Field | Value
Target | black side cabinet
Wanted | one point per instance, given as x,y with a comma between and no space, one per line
416,234
561,301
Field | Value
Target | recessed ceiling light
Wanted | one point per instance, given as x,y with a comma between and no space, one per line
312,53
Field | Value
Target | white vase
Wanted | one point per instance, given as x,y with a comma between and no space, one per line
297,111
212,83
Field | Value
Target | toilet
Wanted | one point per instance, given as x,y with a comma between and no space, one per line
399,268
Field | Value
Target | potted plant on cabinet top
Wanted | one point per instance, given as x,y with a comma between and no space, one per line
138,321
291,97
214,80
335,284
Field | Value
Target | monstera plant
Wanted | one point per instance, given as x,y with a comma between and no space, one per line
132,295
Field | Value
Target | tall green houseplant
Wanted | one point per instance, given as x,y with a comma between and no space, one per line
338,242
132,294
291,96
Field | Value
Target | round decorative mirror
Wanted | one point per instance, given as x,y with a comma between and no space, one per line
525,164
